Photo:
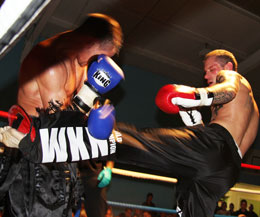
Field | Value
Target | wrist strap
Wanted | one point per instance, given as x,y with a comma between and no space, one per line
85,97
206,97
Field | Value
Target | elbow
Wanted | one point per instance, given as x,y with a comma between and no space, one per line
231,92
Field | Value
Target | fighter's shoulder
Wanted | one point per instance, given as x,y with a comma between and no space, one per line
234,77
34,60
228,75
41,63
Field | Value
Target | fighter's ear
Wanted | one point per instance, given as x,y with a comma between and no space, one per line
229,66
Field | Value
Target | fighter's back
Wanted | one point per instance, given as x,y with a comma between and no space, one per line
239,116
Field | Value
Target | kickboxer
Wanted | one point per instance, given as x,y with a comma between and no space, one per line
50,76
206,159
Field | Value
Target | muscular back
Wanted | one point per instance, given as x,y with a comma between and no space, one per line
240,116
49,74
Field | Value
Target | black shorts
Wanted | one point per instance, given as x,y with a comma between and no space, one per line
203,158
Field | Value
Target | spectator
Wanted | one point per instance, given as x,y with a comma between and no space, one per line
243,208
82,211
138,213
218,206
163,214
149,202
251,211
223,209
231,209
146,214
127,213
109,212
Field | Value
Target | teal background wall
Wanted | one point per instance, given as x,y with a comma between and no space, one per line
137,105
9,68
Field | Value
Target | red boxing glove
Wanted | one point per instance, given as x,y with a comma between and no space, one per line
164,97
23,122
171,97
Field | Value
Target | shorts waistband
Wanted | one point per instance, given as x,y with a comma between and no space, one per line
230,141
238,150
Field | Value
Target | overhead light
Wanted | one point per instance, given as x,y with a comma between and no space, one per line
15,17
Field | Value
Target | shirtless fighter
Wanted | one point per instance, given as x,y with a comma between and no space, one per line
50,76
205,159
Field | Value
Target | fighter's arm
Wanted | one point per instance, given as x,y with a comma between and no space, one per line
59,144
226,87
170,98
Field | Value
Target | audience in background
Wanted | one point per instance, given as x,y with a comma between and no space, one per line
223,209
163,214
149,202
231,209
83,211
126,213
218,206
80,212
243,208
146,214
138,213
251,212
109,212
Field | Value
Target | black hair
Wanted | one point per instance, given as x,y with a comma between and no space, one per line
149,194
103,28
243,201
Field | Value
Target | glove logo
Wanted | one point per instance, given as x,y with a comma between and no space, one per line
101,78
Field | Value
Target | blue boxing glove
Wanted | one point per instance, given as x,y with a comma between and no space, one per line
101,121
104,177
103,75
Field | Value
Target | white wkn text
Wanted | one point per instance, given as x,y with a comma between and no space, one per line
54,143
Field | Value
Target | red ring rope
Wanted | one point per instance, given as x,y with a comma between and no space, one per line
250,166
7,115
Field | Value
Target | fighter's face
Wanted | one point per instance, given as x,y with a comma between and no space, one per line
86,53
243,205
211,68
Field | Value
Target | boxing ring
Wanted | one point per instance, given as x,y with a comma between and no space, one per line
9,36
151,177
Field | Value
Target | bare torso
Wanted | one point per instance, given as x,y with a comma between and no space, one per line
49,73
239,116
